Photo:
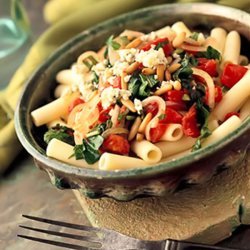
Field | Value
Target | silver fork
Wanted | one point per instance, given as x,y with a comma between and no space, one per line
93,238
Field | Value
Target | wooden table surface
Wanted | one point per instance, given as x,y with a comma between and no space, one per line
24,189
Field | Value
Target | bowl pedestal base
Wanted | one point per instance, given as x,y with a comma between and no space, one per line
206,213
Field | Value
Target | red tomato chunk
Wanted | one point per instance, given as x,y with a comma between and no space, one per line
116,144
208,65
157,132
165,44
231,74
189,123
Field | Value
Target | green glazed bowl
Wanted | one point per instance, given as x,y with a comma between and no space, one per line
158,180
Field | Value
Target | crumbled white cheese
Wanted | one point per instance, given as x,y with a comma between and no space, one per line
85,86
99,68
127,55
151,58
119,67
109,96
125,94
138,106
111,80
127,78
106,74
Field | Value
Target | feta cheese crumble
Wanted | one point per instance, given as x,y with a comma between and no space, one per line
138,106
151,58
127,55
110,95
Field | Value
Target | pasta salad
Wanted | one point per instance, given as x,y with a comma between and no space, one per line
143,98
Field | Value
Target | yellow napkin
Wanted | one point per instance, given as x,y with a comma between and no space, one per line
67,18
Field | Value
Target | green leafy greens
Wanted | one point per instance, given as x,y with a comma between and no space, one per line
140,85
210,53
202,117
112,43
89,149
61,133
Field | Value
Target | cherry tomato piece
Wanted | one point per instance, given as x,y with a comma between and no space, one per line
165,44
218,95
157,132
228,115
171,116
174,99
151,108
208,65
189,123
231,74
104,115
116,144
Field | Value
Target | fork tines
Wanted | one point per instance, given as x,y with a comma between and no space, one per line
91,240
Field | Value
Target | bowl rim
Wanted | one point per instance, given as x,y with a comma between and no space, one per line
23,132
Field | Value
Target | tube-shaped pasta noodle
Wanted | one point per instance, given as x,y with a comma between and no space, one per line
234,98
245,110
53,110
173,132
62,151
232,48
174,147
65,77
224,129
219,34
179,27
110,161
146,151
61,90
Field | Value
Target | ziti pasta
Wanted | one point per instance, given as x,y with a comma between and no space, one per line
144,97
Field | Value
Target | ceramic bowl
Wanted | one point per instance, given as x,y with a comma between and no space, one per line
162,178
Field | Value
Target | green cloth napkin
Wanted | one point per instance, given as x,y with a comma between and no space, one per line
67,18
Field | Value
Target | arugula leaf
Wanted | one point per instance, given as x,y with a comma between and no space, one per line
185,71
78,151
134,85
140,85
144,91
210,53
112,43
149,80
89,149
61,133
202,118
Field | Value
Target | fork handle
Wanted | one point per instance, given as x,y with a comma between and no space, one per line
182,245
